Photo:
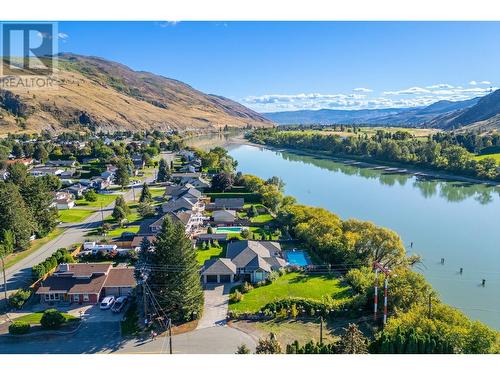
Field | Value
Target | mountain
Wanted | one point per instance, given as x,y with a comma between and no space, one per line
393,116
485,114
95,93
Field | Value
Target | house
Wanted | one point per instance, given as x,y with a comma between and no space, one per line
186,199
68,173
61,163
219,237
25,161
191,220
86,283
77,190
228,203
100,183
44,171
196,182
137,240
94,248
224,216
245,260
63,200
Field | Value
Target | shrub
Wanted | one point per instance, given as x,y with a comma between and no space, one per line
19,328
236,296
52,319
210,230
245,233
246,287
38,271
242,349
90,195
19,298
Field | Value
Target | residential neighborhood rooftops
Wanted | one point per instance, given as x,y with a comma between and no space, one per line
120,277
229,203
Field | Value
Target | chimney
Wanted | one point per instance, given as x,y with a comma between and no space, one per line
64,267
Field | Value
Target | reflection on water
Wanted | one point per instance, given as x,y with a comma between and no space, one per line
457,221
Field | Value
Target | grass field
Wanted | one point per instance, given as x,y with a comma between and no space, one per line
34,318
212,252
74,215
293,284
117,232
494,156
102,199
264,218
35,245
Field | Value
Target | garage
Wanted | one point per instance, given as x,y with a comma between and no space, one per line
211,278
225,278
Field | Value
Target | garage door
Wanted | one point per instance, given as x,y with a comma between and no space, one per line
211,278
225,278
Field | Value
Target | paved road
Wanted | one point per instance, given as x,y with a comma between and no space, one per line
19,275
216,305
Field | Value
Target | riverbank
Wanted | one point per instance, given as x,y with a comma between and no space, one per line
373,163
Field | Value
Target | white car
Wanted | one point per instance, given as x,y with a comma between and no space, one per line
119,304
107,302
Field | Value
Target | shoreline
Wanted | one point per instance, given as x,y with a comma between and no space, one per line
362,162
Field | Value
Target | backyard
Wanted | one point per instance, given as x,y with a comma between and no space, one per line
294,285
212,252
74,215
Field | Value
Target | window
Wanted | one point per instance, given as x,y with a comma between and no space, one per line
85,298
76,298
52,297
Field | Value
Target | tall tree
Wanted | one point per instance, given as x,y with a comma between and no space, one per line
6,248
163,171
122,175
37,196
15,215
222,181
40,153
175,278
145,194
268,346
353,341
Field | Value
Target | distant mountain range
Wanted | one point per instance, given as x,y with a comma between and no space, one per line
477,112
94,93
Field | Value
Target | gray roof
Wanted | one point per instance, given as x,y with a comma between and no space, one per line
220,266
229,202
243,252
178,204
258,263
224,215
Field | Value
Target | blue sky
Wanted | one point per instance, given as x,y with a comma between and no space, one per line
276,66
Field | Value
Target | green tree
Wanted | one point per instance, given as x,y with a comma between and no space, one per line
145,209
146,196
243,349
90,195
52,319
175,278
352,341
15,215
163,171
268,346
122,174
40,153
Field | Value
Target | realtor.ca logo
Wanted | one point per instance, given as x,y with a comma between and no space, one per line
29,55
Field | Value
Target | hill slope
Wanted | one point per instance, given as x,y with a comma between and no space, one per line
392,116
99,94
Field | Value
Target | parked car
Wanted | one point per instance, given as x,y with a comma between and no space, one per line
107,302
119,304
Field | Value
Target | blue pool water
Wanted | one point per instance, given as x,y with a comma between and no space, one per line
296,258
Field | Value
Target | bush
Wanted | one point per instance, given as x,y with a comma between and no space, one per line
19,328
246,287
52,319
38,271
19,298
236,296
90,195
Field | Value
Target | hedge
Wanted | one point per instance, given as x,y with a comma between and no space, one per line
41,269
19,298
19,328
52,319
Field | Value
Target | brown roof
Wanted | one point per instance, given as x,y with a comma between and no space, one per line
137,241
71,285
120,277
83,269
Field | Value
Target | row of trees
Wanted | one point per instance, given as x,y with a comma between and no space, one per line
26,205
440,152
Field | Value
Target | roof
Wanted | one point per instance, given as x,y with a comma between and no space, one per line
258,263
121,277
219,266
182,216
229,202
242,253
83,269
72,285
137,241
177,204
224,215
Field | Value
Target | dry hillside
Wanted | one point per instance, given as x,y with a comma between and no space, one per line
98,94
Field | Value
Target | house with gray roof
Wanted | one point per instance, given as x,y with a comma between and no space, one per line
245,260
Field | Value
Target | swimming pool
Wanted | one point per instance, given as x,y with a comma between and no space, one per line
228,229
297,258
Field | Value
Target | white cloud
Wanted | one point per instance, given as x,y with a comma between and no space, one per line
410,97
164,24
485,83
362,89
473,83
63,36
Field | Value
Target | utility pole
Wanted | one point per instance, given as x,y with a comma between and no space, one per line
4,280
133,192
144,301
321,330
102,216
170,334
430,305
386,272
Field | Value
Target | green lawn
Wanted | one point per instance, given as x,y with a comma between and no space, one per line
34,318
35,245
212,252
102,199
264,218
157,192
74,215
117,232
293,284
494,156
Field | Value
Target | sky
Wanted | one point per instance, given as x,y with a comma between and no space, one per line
281,66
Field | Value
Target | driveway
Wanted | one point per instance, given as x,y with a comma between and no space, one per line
216,305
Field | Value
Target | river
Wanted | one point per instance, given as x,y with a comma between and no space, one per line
457,221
